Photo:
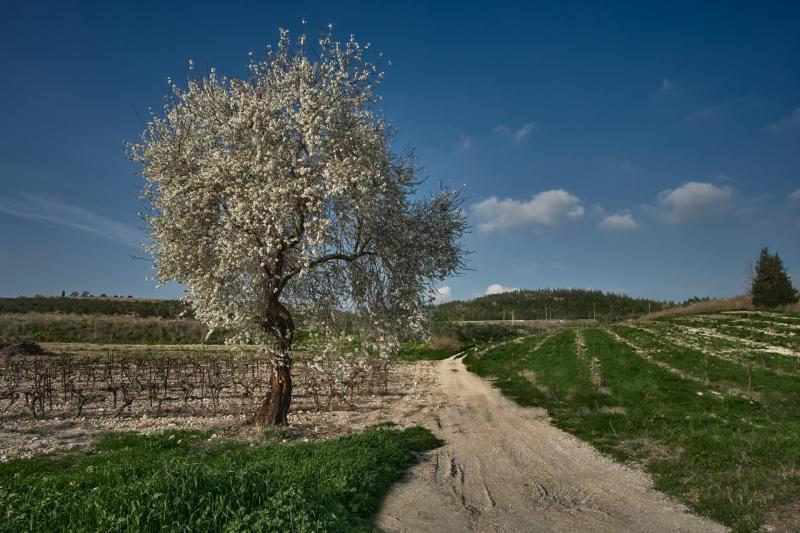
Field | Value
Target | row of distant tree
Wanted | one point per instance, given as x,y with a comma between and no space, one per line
88,305
87,294
544,304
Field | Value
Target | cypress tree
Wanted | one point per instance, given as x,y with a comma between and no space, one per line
771,285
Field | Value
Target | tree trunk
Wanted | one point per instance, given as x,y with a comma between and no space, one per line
274,410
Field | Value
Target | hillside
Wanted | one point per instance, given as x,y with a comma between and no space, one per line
93,305
564,304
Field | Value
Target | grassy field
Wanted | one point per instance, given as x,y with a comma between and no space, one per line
706,403
102,329
182,481
710,415
53,327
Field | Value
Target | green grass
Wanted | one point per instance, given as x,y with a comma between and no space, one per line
105,329
725,456
98,329
754,331
730,349
786,317
179,481
780,392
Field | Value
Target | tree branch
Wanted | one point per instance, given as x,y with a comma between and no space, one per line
324,259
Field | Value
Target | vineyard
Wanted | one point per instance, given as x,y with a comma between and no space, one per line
706,403
172,384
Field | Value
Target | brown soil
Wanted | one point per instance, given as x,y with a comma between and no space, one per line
409,396
784,519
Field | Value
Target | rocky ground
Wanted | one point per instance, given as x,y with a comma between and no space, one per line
410,393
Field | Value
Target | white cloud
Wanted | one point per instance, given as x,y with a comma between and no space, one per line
34,207
795,196
693,201
524,131
716,109
787,123
442,295
667,85
702,114
547,208
496,288
518,135
619,222
465,143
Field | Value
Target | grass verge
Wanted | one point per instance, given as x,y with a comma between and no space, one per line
728,458
179,481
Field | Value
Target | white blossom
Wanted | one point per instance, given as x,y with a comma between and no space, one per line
279,193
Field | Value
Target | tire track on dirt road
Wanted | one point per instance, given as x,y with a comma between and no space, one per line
506,468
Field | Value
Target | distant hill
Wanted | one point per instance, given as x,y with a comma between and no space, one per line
92,305
566,304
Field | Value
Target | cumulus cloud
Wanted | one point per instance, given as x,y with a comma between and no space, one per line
619,222
787,123
667,85
35,207
795,196
442,295
693,201
548,208
518,135
496,288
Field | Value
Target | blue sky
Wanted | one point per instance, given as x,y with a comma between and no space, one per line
648,149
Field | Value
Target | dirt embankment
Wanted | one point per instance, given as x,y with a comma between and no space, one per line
15,346
505,468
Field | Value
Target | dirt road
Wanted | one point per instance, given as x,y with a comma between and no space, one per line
505,468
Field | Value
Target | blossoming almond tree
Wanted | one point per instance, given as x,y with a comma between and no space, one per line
280,194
